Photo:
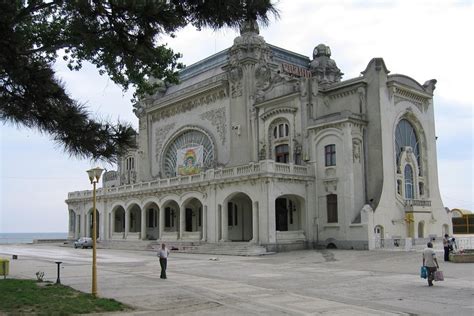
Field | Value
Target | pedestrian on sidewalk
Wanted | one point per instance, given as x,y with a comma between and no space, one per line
430,262
163,255
446,243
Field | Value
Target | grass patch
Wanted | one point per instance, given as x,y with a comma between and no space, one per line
27,297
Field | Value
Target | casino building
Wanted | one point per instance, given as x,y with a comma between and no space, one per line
264,146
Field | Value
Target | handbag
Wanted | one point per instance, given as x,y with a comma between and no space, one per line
438,275
423,272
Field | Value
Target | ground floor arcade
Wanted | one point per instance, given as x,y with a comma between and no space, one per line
253,211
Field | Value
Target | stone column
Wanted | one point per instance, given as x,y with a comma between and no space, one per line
161,224
255,223
182,210
204,223
127,224
77,228
224,222
271,213
143,225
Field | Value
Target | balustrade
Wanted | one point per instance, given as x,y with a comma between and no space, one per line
264,166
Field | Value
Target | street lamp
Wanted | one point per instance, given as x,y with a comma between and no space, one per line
94,176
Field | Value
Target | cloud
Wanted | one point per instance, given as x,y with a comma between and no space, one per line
421,39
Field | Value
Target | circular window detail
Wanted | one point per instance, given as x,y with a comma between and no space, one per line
190,138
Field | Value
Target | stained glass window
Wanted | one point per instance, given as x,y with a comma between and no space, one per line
189,138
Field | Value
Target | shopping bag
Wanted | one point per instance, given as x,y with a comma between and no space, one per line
438,275
423,272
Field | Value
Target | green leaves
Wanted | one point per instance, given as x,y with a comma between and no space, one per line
121,38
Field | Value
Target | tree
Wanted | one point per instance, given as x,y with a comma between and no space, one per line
120,37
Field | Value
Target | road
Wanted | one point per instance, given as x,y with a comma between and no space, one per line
331,282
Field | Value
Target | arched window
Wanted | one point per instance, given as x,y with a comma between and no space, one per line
130,164
405,136
281,130
409,194
191,138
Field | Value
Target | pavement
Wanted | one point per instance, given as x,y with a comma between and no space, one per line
308,282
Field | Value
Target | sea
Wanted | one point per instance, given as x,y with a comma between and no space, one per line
27,238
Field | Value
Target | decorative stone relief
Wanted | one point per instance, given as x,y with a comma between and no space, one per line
235,80
262,155
362,99
330,185
323,67
161,133
356,150
330,172
189,104
217,118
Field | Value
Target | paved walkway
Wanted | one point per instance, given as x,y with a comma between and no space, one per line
331,282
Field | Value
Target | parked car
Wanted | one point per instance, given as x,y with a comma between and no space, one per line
83,242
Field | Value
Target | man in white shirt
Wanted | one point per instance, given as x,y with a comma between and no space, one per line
430,262
163,255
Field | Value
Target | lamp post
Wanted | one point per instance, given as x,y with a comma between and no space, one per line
94,176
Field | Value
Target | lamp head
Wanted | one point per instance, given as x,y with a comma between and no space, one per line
94,174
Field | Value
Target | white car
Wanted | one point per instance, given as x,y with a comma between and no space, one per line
83,242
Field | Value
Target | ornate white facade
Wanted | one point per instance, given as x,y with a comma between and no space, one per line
292,157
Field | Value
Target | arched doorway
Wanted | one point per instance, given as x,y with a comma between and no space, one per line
151,221
193,217
289,219
171,220
238,210
134,221
91,223
118,223
289,213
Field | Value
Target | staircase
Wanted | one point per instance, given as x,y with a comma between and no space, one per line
227,248
221,248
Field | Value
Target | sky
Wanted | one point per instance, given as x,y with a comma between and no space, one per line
421,39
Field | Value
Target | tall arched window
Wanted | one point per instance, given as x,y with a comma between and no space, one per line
279,139
405,136
409,194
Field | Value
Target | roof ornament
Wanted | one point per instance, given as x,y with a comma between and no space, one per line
323,67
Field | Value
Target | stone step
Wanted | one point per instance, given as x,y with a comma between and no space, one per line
228,248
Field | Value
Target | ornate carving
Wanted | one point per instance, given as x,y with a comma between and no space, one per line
284,109
330,172
362,99
217,118
189,104
262,155
235,80
330,185
139,109
161,134
400,94
356,150
323,67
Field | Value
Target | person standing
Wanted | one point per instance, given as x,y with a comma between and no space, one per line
446,247
163,255
430,262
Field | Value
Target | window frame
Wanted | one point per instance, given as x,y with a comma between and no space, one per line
332,208
330,155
